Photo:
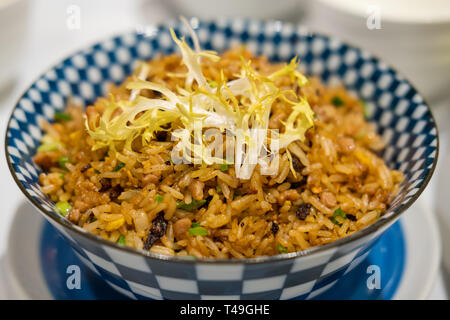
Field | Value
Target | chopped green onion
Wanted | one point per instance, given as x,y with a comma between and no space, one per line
119,166
121,240
361,134
378,213
49,146
61,116
62,162
218,189
282,249
365,110
63,207
224,167
338,102
97,171
194,205
159,198
198,231
338,213
61,176
195,225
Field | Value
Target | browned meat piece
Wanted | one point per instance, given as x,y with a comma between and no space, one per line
45,160
181,227
196,188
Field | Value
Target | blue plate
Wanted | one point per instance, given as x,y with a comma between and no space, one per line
56,256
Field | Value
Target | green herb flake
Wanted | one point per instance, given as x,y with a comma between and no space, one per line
61,116
159,198
97,171
218,189
119,166
338,213
49,146
194,205
337,101
224,167
361,134
62,162
198,231
365,110
336,222
378,213
63,207
195,225
282,249
121,240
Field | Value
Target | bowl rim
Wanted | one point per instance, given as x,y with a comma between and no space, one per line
312,251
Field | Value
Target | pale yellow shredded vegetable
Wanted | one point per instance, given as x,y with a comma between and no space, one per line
238,105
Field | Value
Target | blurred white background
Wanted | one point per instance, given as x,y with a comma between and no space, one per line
413,35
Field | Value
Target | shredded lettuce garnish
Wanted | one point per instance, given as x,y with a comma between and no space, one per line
236,106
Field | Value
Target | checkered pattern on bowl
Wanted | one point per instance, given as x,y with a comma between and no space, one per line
394,106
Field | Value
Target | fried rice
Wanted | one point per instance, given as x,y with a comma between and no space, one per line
327,187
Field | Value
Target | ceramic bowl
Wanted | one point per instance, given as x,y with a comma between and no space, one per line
399,113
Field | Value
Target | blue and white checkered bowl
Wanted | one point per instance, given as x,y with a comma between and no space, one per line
398,111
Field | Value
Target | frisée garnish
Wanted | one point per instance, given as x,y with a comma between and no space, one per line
237,106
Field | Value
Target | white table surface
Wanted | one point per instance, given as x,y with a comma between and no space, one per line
49,40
